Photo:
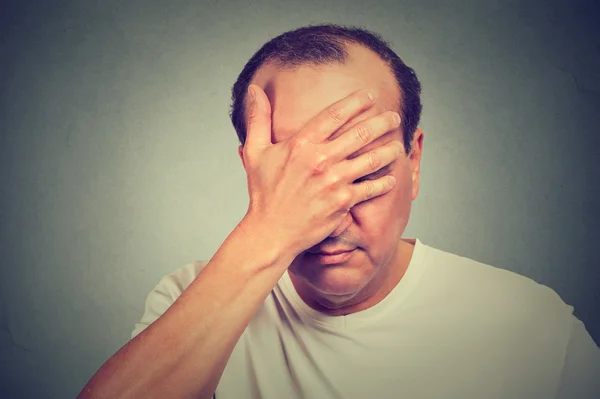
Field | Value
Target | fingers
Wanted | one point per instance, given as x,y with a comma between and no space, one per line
372,188
258,119
328,121
362,134
370,164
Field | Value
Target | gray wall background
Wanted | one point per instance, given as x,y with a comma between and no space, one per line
119,164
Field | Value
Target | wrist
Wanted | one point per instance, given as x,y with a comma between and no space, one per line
263,242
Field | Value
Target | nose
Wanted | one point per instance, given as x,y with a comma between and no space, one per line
343,226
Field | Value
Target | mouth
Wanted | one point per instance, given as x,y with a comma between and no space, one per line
330,252
331,257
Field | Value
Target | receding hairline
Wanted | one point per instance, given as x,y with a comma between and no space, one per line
280,64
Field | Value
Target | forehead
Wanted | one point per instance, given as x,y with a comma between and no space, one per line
297,95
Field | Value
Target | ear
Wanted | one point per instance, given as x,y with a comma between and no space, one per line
241,153
415,161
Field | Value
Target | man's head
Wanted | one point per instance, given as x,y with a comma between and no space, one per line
327,45
304,71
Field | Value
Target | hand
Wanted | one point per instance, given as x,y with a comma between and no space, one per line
302,188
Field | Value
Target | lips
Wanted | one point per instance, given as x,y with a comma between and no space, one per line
332,252
330,257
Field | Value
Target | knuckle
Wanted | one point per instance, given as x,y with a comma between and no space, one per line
344,199
319,163
374,160
251,118
297,148
251,114
395,119
333,180
369,189
399,149
336,113
363,133
249,156
297,143
365,100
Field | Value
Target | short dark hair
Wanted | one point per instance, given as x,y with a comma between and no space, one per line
326,44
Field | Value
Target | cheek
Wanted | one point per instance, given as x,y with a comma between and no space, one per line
382,220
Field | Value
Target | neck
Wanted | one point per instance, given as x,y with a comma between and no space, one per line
382,283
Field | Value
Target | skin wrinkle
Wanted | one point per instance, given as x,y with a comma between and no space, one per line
375,226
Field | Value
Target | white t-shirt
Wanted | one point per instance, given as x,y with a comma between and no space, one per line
451,328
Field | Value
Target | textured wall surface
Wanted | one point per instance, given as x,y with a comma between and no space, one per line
118,163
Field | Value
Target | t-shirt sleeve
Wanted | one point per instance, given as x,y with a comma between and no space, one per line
165,293
157,303
581,371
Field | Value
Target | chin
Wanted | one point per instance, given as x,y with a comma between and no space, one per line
339,282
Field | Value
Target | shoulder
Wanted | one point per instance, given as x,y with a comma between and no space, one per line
497,297
168,289
502,313
179,280
581,369
467,277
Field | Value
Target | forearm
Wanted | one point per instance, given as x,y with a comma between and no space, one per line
183,353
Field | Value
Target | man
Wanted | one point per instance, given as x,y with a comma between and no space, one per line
315,294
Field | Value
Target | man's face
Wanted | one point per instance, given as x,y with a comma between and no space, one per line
373,227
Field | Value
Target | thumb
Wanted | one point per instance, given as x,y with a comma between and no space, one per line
258,118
